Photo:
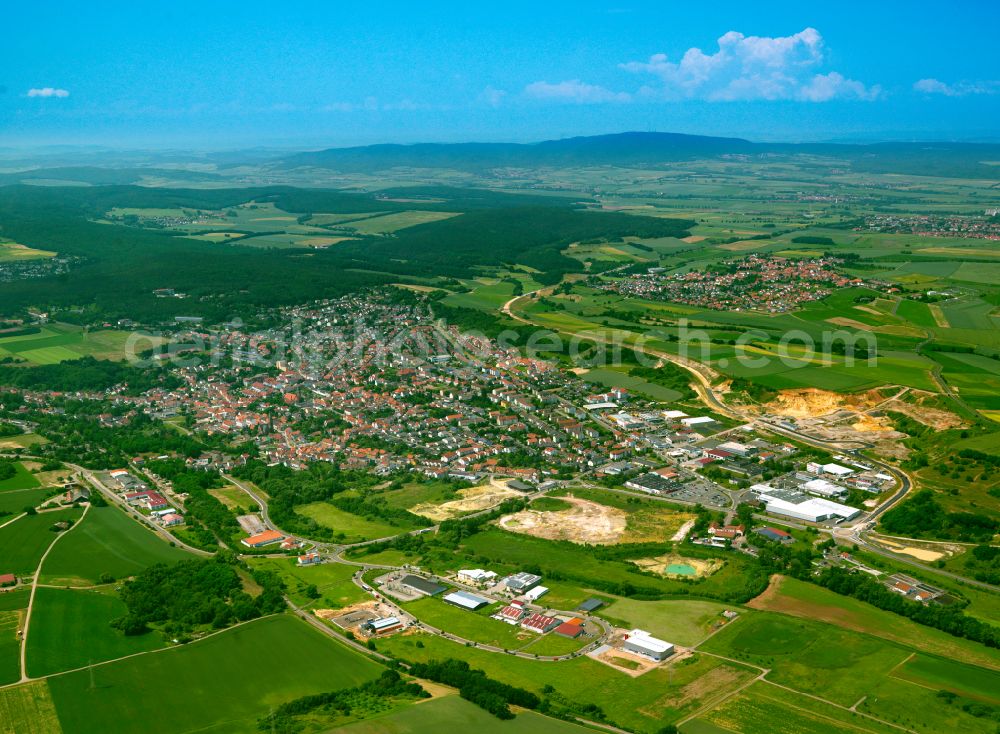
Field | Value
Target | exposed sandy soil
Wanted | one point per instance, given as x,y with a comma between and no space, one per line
625,662
939,318
692,239
871,424
473,499
812,402
586,522
659,565
933,417
844,321
923,551
717,679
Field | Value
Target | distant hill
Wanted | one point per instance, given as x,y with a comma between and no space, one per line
648,149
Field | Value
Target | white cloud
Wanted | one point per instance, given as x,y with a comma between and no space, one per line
575,91
492,96
48,92
959,89
751,68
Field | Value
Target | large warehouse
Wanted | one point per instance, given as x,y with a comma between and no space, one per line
643,643
789,503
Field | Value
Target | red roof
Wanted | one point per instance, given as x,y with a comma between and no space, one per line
8,578
268,536
569,629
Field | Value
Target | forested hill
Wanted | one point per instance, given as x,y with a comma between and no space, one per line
115,269
974,160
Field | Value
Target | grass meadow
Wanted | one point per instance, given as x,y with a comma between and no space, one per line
24,541
62,618
106,542
230,679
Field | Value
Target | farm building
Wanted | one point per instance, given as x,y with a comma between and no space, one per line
8,579
511,614
466,600
476,576
643,643
775,534
522,581
422,585
725,531
171,519
382,625
261,539
536,593
572,628
539,623
589,605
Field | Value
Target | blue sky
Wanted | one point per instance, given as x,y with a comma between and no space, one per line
224,75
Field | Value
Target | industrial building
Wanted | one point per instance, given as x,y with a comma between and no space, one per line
643,643
465,600
382,626
476,576
422,585
521,582
789,503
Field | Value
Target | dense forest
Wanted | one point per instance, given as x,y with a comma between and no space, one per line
115,269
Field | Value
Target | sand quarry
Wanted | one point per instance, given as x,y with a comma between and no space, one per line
584,522
472,499
677,567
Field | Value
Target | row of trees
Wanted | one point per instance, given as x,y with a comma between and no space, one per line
475,686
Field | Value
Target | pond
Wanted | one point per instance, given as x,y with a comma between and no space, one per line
681,569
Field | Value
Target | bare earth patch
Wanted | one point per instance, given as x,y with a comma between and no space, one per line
586,522
662,565
473,499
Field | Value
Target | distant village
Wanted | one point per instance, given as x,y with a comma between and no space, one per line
756,282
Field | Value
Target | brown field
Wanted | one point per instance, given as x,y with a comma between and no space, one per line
939,318
28,709
473,499
322,241
585,522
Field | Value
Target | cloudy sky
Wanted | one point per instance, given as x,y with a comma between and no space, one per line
218,74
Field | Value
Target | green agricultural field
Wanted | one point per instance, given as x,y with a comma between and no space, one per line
394,222
952,675
352,528
811,602
61,342
22,479
12,252
643,704
62,618
813,658
106,542
15,501
681,621
24,541
921,709
553,644
757,709
28,709
454,713
226,682
332,581
12,607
